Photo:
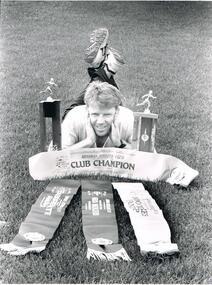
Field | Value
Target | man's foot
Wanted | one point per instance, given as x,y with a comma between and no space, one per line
96,53
99,36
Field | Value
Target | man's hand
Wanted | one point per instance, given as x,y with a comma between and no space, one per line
91,136
115,135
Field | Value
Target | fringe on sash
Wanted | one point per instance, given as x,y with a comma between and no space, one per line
18,250
100,255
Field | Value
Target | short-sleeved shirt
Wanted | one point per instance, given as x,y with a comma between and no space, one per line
74,126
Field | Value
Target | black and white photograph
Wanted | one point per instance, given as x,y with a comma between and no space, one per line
105,142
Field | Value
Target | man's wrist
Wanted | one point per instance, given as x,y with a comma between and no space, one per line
89,142
122,144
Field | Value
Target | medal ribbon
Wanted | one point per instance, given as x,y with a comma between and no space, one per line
99,221
44,218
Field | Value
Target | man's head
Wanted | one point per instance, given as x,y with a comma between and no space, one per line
102,100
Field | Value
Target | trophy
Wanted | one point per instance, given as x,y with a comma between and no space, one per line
145,126
50,108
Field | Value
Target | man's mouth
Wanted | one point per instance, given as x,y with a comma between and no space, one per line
101,129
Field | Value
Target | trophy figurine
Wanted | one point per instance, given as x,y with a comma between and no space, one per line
145,126
50,108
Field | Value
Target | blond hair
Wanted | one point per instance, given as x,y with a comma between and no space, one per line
103,93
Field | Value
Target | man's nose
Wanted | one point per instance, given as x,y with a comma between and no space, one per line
100,119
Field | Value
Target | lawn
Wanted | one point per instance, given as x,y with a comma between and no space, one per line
168,49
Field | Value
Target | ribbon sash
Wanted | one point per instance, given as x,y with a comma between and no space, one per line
99,221
44,217
151,229
111,162
98,217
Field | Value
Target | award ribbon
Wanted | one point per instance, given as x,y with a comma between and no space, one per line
99,222
43,219
151,229
111,162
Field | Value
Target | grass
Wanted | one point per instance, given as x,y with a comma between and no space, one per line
167,46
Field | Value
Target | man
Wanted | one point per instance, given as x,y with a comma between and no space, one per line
102,122
103,62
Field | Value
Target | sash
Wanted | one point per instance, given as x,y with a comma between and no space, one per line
99,222
43,219
111,162
151,229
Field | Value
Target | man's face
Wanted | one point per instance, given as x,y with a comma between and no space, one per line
101,118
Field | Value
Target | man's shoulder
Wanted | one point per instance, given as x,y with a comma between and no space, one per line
125,118
76,116
77,111
125,111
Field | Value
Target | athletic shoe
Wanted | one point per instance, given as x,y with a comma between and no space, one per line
95,54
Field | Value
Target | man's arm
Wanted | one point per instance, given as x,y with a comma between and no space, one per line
117,140
82,144
70,138
122,129
125,144
127,126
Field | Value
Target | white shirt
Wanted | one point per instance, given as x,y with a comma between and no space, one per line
74,126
